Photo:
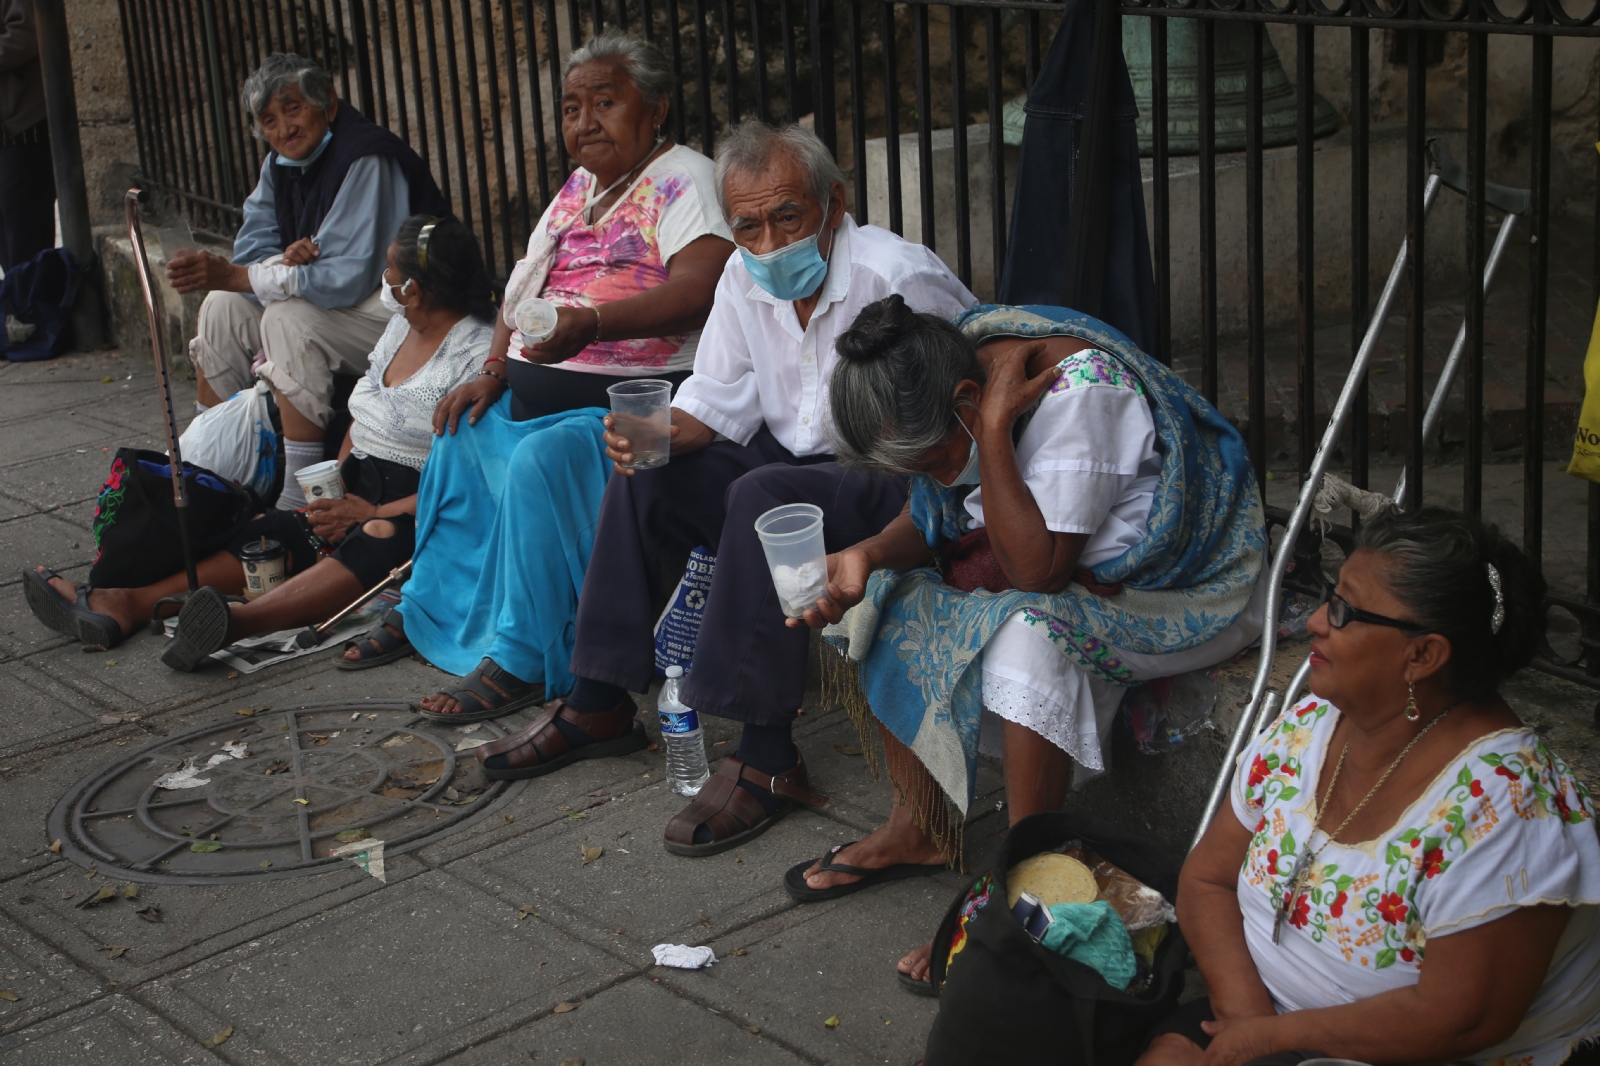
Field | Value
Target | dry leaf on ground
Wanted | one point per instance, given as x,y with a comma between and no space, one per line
55,846
752,1028
221,1037
150,913
562,1008
832,1023
248,712
591,852
205,846
526,911
8,995
741,951
351,834
571,1062
846,749
130,891
117,951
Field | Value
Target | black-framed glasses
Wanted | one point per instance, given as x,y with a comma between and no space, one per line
1341,614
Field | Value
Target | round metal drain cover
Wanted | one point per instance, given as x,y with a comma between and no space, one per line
270,795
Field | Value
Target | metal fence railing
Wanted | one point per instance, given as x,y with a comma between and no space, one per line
912,96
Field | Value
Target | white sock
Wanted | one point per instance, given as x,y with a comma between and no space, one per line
297,455
200,408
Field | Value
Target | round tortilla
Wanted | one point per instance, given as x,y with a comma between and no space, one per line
1051,879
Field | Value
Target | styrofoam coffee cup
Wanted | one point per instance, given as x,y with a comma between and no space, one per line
321,481
536,320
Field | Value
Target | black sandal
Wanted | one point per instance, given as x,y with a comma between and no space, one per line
795,878
495,692
72,619
914,986
202,629
389,639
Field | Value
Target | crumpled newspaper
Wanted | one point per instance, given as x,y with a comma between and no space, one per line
367,854
683,957
188,775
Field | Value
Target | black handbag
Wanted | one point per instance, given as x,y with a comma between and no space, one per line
136,519
1003,997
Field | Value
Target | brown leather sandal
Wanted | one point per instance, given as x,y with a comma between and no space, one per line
733,815
541,748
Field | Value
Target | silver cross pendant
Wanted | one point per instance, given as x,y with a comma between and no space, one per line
1291,892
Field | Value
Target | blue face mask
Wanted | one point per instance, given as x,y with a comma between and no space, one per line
312,158
791,273
969,473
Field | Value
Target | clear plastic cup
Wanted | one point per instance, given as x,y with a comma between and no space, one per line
321,481
791,535
641,412
536,320
176,239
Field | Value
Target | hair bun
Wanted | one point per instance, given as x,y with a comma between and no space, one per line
877,329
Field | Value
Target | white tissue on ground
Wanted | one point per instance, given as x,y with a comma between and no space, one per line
188,775
800,587
683,957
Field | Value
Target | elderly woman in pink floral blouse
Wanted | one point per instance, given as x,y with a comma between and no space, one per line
1410,874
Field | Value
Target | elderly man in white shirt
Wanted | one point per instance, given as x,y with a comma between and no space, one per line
747,436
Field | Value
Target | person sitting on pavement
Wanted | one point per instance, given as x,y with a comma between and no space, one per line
302,287
337,549
747,435
1406,872
1108,512
630,252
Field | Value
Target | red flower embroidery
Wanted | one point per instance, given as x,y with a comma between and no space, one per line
1261,824
1432,862
1407,954
1337,908
1272,861
1288,771
1392,908
1477,787
1302,913
1503,772
1416,842
1561,804
1258,772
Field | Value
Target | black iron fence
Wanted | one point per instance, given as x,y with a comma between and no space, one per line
913,97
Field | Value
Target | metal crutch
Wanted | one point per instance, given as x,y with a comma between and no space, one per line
1263,704
311,636
158,346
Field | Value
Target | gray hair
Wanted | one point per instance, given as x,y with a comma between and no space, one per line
646,64
892,393
280,71
750,146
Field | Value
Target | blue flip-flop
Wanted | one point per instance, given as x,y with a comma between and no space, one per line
69,618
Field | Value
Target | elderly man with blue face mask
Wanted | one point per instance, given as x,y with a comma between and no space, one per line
747,436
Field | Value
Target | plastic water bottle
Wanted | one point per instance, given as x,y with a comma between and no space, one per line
685,740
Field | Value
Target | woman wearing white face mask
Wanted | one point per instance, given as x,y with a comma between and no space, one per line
1108,513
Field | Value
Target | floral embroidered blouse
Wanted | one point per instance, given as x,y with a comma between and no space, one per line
1505,825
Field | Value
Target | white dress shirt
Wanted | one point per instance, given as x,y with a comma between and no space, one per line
755,364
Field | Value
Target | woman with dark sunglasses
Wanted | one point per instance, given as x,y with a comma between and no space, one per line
1410,874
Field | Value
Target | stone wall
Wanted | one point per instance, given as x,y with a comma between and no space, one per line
105,110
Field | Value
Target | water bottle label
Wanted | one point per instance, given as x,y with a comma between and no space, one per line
673,724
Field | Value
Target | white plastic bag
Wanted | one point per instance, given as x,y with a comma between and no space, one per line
235,440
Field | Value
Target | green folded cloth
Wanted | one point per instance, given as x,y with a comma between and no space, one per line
1093,934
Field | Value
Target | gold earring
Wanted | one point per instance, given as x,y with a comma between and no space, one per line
1412,714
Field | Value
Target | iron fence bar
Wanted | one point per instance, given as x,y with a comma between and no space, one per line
891,121
758,45
183,159
536,116
234,78
958,139
647,25
336,26
452,67
441,169
214,77
552,33
858,112
596,19
1160,187
514,98
702,57
1373,22
479,151
1031,56
819,22
622,15
183,86
1255,263
1208,212
363,56
998,190
416,85
491,71
374,54
919,21
399,70
1305,227
1416,230
1360,111
574,25
138,98
730,52
791,77
1477,144
1538,295
1591,624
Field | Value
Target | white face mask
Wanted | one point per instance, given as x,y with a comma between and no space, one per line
969,473
390,301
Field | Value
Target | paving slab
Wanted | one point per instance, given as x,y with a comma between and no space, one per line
45,981
40,710
41,540
408,974
72,477
113,1030
637,1023
825,960
58,435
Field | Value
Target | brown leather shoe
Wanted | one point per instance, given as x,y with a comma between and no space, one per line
541,748
733,815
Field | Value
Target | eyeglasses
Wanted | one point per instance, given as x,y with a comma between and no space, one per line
1341,614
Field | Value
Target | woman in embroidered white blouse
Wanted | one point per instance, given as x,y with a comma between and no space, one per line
1411,875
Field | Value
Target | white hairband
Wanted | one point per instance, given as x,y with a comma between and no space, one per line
1499,617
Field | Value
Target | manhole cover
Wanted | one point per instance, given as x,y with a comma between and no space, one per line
268,796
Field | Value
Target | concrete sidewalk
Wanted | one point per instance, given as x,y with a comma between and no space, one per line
441,963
